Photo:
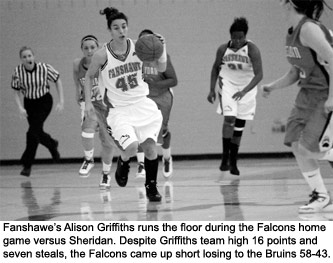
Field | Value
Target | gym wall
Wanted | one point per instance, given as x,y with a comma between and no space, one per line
193,30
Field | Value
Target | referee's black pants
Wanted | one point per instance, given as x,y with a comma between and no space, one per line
38,110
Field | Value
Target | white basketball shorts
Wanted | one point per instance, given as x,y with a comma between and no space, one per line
136,122
243,109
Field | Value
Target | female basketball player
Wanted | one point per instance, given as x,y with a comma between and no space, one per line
133,118
96,121
238,67
309,51
160,91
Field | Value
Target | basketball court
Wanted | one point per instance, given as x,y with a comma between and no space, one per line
267,190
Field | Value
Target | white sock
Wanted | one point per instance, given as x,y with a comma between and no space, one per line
106,167
328,156
315,181
89,154
166,153
140,157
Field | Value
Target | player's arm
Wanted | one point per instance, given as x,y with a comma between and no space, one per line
255,56
312,36
215,72
98,59
76,80
291,77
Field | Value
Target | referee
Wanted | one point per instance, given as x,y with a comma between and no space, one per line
31,81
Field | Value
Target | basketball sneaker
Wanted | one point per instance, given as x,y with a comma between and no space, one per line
141,173
319,202
122,172
152,193
167,167
105,182
86,167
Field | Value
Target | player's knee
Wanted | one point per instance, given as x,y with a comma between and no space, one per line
149,148
299,150
229,121
131,149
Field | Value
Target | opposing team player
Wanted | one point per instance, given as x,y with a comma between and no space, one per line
238,69
309,51
95,122
132,117
160,91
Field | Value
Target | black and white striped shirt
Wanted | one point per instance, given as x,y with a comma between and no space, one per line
34,84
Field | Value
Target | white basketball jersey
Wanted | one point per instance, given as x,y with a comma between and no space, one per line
236,68
122,77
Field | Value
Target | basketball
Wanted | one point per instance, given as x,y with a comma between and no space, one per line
149,48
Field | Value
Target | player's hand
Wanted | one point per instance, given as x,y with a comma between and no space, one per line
265,90
238,95
329,105
211,96
88,110
160,37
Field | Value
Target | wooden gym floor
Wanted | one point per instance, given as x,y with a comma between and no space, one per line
267,190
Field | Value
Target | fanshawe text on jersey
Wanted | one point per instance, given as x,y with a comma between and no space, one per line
124,69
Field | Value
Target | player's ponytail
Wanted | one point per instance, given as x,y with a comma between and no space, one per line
311,8
112,14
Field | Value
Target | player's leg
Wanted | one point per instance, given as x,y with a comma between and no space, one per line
229,108
227,134
88,129
306,150
164,103
234,145
140,156
148,137
108,150
123,133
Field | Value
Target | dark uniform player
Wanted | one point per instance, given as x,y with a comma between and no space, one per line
160,91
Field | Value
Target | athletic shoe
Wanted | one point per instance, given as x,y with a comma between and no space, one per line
105,182
26,171
167,167
152,193
141,173
86,167
122,172
319,202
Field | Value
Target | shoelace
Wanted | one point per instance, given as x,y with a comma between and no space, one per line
86,163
